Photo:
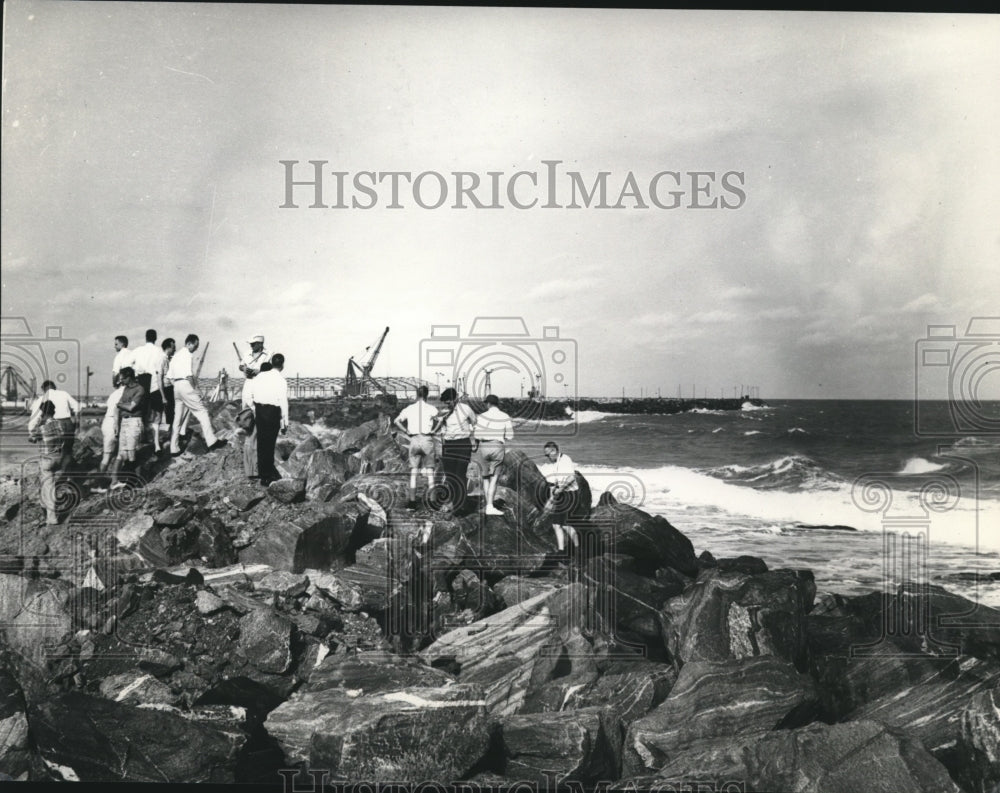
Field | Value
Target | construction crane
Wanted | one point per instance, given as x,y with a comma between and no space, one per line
359,380
11,379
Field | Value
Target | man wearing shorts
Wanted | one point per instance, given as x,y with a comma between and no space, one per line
417,421
493,429
131,408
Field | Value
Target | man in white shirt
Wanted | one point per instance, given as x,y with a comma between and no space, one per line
109,428
563,493
251,363
64,417
186,396
268,394
123,357
493,429
417,421
455,425
149,365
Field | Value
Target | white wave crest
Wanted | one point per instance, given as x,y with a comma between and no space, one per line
797,429
752,432
918,465
752,406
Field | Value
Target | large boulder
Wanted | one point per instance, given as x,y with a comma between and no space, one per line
734,615
718,699
314,536
325,473
14,745
626,604
818,758
90,739
650,539
570,746
630,688
380,718
500,654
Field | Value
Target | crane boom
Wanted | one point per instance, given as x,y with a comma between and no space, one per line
359,377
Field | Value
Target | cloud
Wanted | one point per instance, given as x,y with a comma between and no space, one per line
919,305
559,288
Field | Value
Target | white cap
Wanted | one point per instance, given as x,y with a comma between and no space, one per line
252,339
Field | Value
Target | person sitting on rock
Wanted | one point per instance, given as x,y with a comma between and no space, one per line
493,429
417,421
563,493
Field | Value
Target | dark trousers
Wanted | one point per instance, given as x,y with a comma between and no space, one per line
146,381
168,405
268,419
455,456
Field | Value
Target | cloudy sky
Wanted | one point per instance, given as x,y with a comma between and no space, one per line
142,186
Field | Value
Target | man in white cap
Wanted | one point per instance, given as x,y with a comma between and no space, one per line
252,361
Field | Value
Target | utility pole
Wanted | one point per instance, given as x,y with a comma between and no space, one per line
90,373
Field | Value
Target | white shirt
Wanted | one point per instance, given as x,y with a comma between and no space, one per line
149,359
65,406
270,388
180,365
494,425
111,414
125,357
560,472
252,361
460,424
419,418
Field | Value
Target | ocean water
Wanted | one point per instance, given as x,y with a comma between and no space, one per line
784,481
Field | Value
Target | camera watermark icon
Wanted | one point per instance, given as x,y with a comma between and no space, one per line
26,362
957,380
501,349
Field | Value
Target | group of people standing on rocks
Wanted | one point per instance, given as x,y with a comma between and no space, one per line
454,432
155,388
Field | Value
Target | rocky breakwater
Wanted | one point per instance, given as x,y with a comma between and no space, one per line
200,628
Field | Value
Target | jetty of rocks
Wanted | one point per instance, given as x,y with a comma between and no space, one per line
196,627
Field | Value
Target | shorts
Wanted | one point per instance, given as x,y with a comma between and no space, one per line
130,434
110,439
422,451
491,454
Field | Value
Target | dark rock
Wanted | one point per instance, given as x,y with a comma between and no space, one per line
214,546
716,700
364,719
304,448
288,491
350,597
649,539
750,565
265,640
245,496
629,688
353,439
927,711
90,739
734,615
558,672
500,653
14,744
978,763
325,474
571,746
314,537
819,758
515,589
283,583
137,689
176,515
519,474
626,604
